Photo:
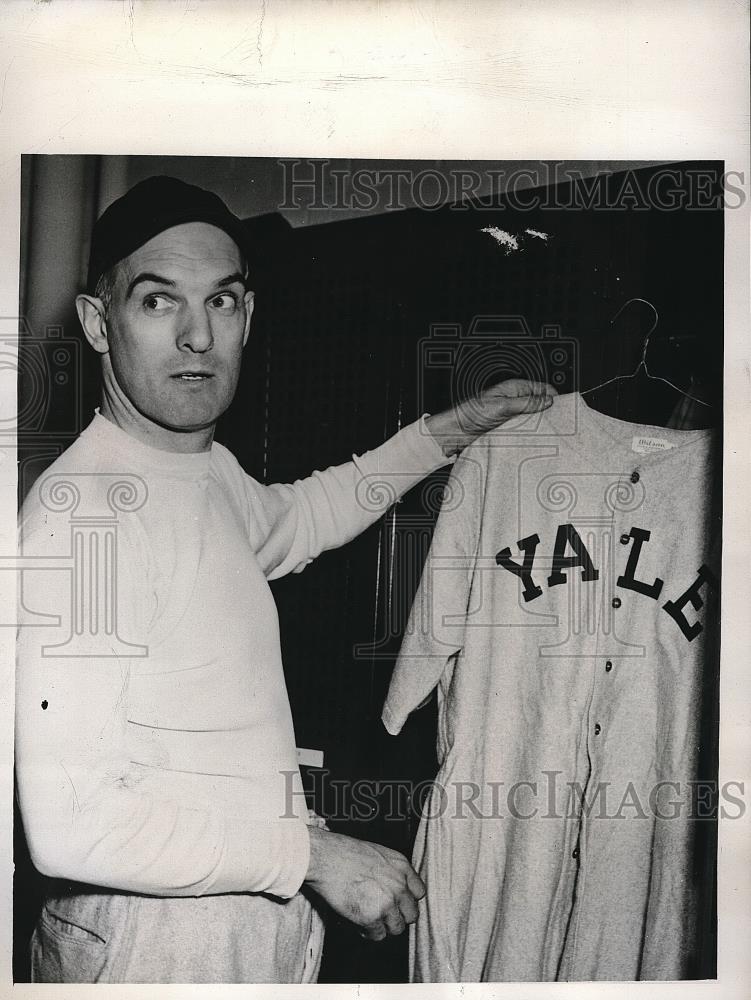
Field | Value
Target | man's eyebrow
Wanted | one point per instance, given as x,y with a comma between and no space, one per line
158,279
155,279
236,276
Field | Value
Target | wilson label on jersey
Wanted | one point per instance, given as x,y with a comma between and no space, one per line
646,445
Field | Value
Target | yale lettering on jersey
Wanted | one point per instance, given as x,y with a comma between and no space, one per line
565,561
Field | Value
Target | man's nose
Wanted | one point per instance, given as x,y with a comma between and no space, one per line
195,332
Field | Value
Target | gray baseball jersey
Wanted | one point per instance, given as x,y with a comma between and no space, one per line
567,613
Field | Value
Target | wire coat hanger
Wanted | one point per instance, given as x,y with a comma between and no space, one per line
643,360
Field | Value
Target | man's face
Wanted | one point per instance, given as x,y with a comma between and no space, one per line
177,324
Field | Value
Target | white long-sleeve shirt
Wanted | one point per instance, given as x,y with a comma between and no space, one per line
173,771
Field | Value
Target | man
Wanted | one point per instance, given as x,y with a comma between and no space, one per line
154,740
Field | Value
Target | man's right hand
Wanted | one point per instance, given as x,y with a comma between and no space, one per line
373,886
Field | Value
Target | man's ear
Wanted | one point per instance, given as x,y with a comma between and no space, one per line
91,315
249,298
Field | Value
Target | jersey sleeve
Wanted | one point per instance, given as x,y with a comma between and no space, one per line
84,815
435,630
291,524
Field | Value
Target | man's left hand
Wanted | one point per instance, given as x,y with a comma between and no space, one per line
458,427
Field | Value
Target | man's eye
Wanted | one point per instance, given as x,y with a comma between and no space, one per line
156,303
226,302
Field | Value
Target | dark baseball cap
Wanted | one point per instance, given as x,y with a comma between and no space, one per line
147,209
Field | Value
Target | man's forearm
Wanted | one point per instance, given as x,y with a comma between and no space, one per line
333,506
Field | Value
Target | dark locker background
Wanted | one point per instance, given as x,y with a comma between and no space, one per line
359,327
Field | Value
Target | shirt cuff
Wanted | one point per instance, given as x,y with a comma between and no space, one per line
391,723
437,451
264,856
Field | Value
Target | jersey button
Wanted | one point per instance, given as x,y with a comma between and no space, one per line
635,476
608,666
616,602
598,728
625,539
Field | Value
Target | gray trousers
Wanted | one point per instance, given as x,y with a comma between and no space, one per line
101,937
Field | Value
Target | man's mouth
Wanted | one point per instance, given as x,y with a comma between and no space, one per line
192,376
